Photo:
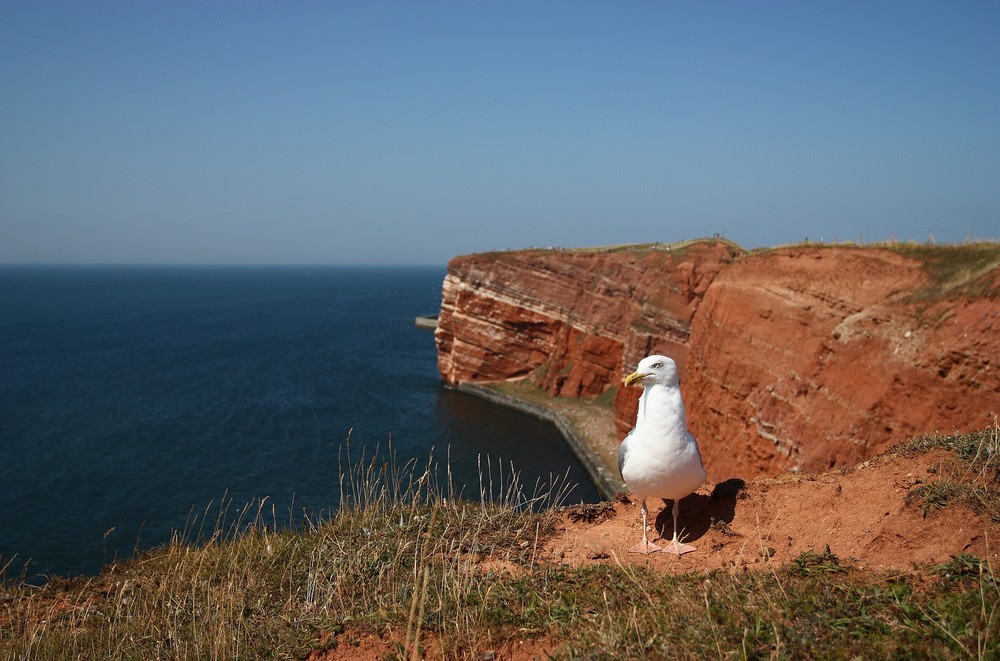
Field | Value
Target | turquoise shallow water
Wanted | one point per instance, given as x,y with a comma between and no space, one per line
131,397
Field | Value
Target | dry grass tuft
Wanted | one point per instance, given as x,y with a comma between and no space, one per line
970,479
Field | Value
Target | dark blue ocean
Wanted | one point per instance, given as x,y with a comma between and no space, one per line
133,397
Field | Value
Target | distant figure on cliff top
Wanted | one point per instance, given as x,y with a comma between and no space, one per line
659,458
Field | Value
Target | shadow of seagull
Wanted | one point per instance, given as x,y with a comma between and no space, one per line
698,512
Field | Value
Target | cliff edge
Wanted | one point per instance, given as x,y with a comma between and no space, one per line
803,358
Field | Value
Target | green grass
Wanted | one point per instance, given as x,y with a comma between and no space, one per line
676,248
955,270
407,560
979,451
967,478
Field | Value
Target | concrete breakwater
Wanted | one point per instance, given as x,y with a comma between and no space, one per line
605,477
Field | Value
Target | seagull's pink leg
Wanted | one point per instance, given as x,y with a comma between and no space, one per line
645,546
675,545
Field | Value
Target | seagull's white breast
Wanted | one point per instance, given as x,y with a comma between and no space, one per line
659,458
652,469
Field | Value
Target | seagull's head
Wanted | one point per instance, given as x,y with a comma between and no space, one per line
654,370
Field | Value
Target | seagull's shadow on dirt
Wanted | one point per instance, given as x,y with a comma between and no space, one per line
699,513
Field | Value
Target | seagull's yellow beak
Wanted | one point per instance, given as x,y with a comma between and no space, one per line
635,377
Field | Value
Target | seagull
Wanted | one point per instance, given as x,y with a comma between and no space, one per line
659,458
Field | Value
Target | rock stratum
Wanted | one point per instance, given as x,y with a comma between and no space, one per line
801,358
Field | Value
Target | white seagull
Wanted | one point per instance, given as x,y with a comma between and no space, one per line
659,458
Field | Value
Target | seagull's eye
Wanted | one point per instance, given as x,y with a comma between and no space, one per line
657,366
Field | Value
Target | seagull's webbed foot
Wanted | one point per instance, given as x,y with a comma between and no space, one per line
677,548
675,545
646,547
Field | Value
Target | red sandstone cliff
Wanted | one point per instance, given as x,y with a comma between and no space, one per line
793,358
819,357
571,319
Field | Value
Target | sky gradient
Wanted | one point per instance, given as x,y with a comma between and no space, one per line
410,132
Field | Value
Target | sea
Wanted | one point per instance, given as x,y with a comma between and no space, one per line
134,399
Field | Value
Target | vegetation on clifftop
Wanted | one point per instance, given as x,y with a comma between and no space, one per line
676,248
406,562
956,270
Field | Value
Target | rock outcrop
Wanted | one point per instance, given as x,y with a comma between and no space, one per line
571,319
806,357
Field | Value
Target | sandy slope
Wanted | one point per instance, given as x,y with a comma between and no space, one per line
861,513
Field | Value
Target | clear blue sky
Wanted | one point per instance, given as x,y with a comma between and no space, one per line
410,132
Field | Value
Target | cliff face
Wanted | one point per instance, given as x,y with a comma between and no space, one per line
570,319
820,357
802,358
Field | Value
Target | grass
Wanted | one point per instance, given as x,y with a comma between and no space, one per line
968,477
955,270
642,249
406,560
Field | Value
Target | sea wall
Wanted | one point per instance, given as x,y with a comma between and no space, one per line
605,477
801,358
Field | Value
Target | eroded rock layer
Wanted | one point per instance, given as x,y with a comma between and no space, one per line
812,358
795,358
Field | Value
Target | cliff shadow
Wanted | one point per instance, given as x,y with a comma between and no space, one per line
699,512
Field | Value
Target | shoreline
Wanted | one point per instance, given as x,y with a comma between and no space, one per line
586,426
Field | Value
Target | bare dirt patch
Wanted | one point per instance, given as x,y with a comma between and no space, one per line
861,514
